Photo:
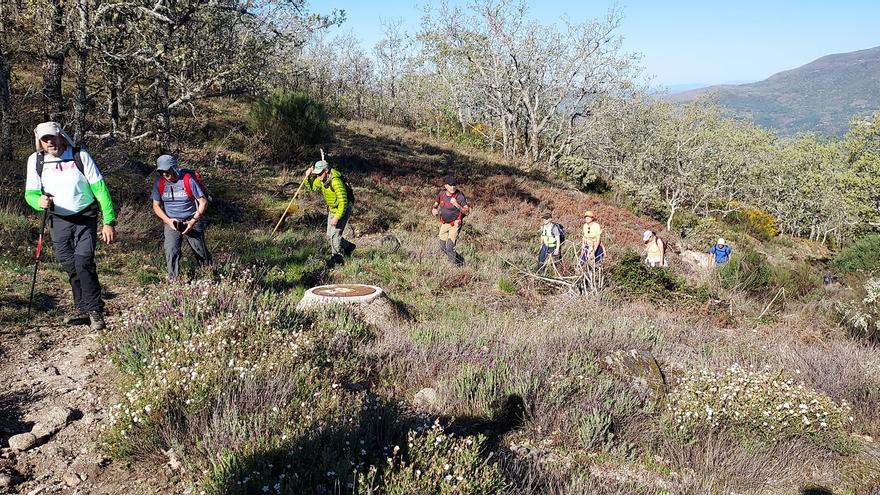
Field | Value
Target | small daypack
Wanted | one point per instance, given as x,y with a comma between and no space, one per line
441,202
188,175
77,159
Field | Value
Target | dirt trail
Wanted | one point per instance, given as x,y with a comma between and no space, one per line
56,386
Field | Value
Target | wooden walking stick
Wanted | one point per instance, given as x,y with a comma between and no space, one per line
289,204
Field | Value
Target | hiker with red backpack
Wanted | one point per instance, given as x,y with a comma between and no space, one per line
180,200
450,208
64,182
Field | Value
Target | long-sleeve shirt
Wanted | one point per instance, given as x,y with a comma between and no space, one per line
71,191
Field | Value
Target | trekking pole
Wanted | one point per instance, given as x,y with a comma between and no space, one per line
37,260
289,204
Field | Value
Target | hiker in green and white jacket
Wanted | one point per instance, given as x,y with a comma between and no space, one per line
67,181
329,182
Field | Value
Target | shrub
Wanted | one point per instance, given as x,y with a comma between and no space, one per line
758,403
862,255
746,270
755,222
289,122
434,462
577,170
631,277
862,318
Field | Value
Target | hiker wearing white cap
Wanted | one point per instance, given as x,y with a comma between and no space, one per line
592,249
655,249
66,180
180,200
720,252
339,199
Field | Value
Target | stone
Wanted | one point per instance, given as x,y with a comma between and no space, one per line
5,481
22,441
88,465
71,479
425,398
52,421
642,368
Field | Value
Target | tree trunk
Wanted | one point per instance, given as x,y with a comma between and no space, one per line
164,112
7,116
56,48
81,102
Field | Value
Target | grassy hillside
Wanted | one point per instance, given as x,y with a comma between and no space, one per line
820,97
675,381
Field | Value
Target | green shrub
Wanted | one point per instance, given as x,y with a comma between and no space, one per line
762,404
862,255
747,271
506,285
862,317
631,277
290,123
577,170
480,387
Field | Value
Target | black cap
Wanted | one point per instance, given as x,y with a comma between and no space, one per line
547,215
449,179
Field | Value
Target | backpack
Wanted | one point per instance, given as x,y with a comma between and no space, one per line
561,232
441,202
188,175
77,159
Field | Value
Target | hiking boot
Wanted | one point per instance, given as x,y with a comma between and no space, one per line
336,259
348,247
78,318
96,319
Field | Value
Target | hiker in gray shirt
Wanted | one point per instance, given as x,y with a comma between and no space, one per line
180,201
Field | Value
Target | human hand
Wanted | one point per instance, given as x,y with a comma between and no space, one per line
333,221
556,252
45,201
189,225
454,202
434,211
108,234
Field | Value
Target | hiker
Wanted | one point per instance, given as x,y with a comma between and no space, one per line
180,201
66,180
592,249
655,250
329,182
450,207
720,252
552,237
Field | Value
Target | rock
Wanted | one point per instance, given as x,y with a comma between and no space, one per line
426,398
22,441
71,479
52,421
88,465
697,259
5,481
642,369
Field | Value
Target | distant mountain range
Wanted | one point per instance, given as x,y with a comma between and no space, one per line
821,96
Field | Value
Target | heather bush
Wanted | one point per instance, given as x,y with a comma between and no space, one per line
434,462
762,403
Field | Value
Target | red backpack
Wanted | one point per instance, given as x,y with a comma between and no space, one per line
188,176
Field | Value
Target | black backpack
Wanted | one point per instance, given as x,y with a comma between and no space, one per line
561,232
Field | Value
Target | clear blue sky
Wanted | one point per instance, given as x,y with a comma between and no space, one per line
683,42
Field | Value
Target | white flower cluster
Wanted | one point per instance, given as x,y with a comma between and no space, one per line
762,402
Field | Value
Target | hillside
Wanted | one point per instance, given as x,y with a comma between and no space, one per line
487,381
821,96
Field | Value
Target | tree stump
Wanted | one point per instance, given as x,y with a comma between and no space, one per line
368,302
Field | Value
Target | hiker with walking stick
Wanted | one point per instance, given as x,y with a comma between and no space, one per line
339,198
65,179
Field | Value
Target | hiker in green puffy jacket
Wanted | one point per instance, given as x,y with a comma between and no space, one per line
329,182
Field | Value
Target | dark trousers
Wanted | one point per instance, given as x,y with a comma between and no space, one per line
196,240
547,251
74,239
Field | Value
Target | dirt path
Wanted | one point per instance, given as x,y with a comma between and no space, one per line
56,386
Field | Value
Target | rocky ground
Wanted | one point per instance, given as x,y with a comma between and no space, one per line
53,407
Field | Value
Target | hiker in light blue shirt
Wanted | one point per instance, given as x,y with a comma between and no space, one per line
720,252
179,200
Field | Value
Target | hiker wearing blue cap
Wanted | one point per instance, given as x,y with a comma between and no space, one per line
180,200
339,198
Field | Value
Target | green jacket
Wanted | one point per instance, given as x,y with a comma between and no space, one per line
335,194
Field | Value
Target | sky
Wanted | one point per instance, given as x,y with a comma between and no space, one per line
683,42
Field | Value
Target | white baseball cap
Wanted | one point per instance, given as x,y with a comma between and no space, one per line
721,242
647,235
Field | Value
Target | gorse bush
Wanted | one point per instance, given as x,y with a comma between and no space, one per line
762,403
862,255
290,123
631,277
755,222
